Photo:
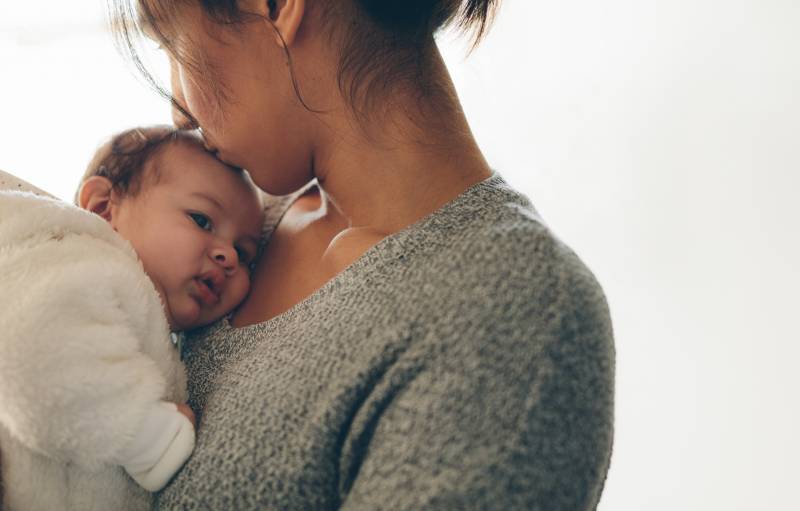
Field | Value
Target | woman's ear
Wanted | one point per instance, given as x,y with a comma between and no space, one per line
96,195
285,15
287,18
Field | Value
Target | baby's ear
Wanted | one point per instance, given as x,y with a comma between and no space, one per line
95,196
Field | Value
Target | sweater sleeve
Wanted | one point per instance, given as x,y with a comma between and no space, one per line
508,408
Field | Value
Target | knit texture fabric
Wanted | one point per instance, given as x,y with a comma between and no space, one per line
466,362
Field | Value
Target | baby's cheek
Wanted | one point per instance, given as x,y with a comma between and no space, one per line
241,289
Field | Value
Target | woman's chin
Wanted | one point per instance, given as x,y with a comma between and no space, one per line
280,185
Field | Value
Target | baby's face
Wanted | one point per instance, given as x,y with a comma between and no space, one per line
196,230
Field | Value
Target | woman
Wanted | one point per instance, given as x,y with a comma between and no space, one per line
416,338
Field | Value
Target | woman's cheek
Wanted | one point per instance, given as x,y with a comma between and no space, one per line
199,101
176,84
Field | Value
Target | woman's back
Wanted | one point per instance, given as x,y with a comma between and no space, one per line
466,361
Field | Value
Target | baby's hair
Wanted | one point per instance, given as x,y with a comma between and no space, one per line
125,157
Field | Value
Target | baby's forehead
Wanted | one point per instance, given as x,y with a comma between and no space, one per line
190,169
187,162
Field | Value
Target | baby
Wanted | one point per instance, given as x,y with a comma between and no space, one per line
93,302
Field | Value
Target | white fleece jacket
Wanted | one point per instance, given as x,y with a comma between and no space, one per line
87,371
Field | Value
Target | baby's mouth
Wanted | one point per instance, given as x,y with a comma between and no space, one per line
206,291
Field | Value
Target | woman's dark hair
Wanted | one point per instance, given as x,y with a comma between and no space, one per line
384,46
423,17
124,158
390,50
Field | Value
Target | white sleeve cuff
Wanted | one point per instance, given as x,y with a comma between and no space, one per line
163,444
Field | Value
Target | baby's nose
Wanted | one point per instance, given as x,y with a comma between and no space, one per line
225,257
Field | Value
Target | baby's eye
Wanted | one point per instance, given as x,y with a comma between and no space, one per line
201,220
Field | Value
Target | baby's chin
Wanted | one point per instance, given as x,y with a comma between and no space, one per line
191,316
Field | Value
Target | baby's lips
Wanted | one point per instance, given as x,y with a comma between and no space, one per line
205,294
215,279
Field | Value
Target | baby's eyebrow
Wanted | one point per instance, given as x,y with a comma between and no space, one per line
209,198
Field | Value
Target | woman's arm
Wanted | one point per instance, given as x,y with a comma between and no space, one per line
517,413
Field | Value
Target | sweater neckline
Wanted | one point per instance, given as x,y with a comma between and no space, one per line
389,250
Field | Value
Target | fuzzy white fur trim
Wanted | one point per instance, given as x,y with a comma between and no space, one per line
84,349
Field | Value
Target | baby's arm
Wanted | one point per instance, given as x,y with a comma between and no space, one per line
75,384
96,409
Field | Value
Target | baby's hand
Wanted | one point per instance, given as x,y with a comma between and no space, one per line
185,410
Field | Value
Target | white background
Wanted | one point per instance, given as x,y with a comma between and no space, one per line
659,138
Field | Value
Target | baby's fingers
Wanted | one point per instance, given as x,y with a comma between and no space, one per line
185,410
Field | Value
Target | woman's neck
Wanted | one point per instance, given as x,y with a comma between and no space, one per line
414,157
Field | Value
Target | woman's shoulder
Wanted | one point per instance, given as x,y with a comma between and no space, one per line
501,284
494,260
494,233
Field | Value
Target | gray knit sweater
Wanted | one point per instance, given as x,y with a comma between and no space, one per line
466,362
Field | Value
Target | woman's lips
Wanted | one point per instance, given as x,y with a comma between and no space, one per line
204,293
